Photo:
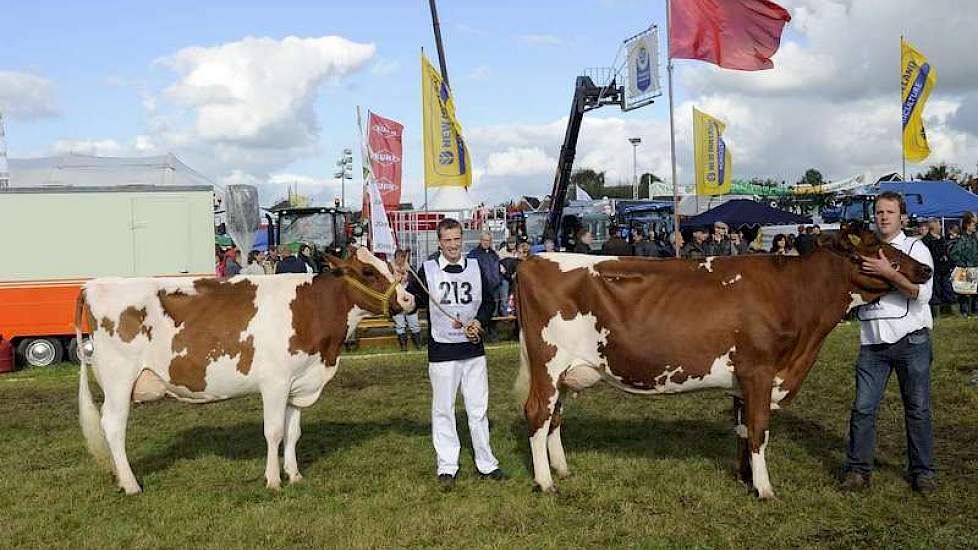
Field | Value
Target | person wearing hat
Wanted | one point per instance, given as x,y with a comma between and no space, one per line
719,243
642,246
696,248
289,262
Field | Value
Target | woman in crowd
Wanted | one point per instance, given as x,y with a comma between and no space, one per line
305,254
963,252
780,245
254,264
584,240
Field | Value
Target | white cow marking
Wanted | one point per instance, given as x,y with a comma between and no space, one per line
732,281
707,264
855,300
366,257
577,341
721,375
778,393
353,319
569,262
758,466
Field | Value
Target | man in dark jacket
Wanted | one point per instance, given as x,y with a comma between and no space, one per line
937,244
489,264
289,262
641,245
616,246
719,243
695,249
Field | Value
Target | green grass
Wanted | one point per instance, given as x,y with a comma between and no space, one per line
647,473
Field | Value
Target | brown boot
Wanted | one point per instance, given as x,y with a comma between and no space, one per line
402,340
416,339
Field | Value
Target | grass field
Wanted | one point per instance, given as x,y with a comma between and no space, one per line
646,472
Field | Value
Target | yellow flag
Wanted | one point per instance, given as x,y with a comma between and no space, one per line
917,78
446,159
710,154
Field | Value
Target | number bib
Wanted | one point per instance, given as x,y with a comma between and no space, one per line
459,294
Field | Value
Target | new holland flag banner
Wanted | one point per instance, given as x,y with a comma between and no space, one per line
446,159
710,155
918,79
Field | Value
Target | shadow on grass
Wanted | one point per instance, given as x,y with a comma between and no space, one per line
246,441
683,439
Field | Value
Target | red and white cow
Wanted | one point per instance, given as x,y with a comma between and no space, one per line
751,325
203,340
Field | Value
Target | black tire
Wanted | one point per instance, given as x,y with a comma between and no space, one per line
73,351
40,351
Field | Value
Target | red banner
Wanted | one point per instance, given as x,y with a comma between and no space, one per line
384,144
734,34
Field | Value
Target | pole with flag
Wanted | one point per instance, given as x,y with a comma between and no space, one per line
734,34
4,170
917,79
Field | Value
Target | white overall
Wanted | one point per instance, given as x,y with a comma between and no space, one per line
459,294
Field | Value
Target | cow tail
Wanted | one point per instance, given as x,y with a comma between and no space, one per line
88,416
521,387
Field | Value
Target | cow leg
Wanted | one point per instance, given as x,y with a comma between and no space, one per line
541,463
757,397
558,461
292,433
115,416
274,402
743,454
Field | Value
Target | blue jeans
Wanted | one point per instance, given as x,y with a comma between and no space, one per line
409,321
502,298
910,357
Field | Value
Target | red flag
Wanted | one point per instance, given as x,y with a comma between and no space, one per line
734,34
384,140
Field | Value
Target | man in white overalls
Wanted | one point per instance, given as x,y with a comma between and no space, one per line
459,305
894,337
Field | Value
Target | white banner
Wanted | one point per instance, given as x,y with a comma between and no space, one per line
381,235
643,69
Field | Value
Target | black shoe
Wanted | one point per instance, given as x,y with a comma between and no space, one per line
495,475
446,482
854,481
402,340
924,485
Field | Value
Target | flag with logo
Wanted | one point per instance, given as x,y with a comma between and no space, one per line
710,155
918,79
381,234
734,34
384,147
643,68
446,159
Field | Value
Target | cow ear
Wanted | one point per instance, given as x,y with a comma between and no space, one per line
335,263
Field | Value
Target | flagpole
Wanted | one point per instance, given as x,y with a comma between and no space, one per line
672,136
903,141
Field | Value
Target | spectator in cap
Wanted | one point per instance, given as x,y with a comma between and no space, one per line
641,245
616,245
289,262
719,243
696,248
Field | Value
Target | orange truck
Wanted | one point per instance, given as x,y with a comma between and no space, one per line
65,235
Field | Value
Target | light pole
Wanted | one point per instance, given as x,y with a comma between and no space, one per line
345,172
635,141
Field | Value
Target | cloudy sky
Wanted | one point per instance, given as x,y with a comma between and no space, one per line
266,92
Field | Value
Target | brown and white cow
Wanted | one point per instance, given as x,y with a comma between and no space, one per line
751,325
203,340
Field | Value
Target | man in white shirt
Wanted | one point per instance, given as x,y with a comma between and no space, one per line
894,336
459,303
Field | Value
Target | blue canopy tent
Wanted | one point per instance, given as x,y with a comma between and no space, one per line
939,199
740,212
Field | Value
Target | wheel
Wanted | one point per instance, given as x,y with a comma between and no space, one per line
40,352
86,349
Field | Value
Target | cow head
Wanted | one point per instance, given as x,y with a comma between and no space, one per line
372,282
855,241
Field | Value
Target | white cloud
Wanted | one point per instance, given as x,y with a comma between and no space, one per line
24,95
519,161
541,39
482,72
385,67
259,92
98,148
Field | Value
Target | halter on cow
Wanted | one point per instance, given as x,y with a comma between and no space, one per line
202,340
751,325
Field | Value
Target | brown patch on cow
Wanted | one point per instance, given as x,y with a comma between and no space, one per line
132,323
319,318
108,325
210,324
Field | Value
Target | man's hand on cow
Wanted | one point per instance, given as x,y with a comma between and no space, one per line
473,331
879,266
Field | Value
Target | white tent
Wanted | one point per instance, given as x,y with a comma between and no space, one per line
89,171
450,198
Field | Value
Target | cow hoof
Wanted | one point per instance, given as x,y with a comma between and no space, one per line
134,490
548,490
766,495
563,475
295,478
273,485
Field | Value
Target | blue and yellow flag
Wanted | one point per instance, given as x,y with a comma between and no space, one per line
446,159
710,154
918,79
